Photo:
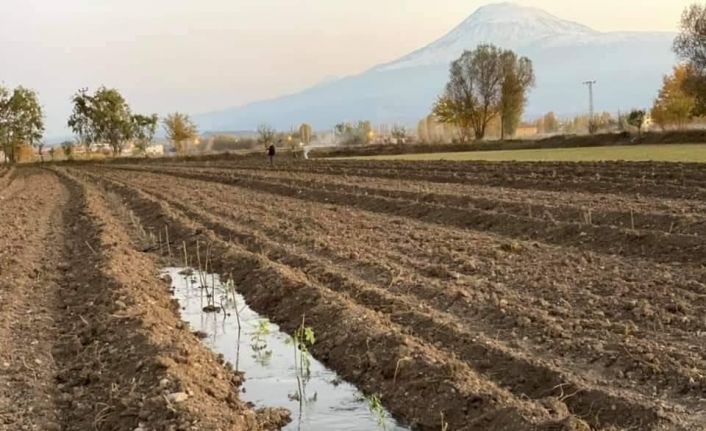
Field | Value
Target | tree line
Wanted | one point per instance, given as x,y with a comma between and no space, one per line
105,117
102,117
487,88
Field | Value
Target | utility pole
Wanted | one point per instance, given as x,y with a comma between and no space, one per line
590,85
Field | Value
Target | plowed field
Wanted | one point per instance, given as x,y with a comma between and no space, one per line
476,296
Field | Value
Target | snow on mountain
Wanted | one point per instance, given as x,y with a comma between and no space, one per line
507,25
628,66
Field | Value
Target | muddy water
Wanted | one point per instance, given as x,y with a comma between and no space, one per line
266,356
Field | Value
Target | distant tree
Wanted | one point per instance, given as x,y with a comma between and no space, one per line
266,135
68,149
81,121
636,118
360,133
550,123
40,150
690,45
112,119
103,116
305,133
518,78
622,122
423,133
483,84
674,106
21,121
399,134
365,129
144,129
430,130
603,121
180,131
593,126
448,110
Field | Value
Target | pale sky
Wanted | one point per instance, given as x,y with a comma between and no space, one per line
202,55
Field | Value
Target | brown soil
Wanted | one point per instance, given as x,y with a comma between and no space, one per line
91,338
487,292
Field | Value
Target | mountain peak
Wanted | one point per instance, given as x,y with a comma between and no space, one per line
509,12
529,23
507,25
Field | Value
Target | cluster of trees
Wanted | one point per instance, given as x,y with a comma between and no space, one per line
601,122
21,122
485,84
359,133
294,139
106,117
676,102
683,93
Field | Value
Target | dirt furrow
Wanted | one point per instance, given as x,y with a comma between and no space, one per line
670,216
674,173
297,224
31,242
264,281
300,224
536,176
91,338
658,246
469,347
126,354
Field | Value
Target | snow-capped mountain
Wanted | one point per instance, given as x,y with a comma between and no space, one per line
504,24
627,65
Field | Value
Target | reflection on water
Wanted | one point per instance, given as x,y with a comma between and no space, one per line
318,399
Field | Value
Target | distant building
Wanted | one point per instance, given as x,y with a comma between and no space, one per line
155,150
526,132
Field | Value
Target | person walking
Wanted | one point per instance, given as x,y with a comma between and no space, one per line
271,154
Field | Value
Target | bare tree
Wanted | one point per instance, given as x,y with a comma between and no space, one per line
690,44
266,135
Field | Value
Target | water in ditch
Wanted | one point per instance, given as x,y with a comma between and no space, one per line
266,355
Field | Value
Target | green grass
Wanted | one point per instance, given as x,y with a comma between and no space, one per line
665,153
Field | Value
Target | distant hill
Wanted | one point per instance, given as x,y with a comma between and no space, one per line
627,65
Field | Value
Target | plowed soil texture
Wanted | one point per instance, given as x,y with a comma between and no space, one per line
466,296
90,338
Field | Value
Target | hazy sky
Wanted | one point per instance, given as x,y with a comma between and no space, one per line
202,55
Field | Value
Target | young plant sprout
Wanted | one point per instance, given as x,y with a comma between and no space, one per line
258,343
376,408
302,340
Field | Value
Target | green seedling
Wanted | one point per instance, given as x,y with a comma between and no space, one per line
258,343
302,340
376,408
